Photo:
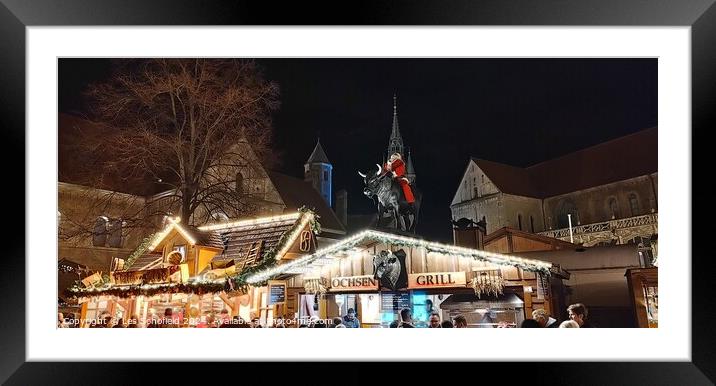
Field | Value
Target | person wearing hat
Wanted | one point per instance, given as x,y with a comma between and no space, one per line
396,167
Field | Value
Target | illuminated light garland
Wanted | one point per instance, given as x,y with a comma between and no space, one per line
173,224
184,233
199,286
195,287
349,243
161,235
308,217
255,221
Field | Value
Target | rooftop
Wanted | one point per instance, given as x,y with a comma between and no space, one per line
343,248
620,159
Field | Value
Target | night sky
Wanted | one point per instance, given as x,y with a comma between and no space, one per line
515,111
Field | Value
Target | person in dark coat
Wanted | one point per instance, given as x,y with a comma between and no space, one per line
578,312
529,323
406,317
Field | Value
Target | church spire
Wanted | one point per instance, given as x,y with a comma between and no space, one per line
409,168
319,172
318,155
396,141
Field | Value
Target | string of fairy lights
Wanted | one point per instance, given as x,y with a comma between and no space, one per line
268,268
203,285
349,244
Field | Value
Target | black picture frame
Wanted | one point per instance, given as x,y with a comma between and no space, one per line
15,15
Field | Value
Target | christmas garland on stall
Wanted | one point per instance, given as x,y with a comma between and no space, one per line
239,281
443,249
199,287
139,251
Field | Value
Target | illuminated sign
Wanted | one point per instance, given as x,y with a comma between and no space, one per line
354,283
436,280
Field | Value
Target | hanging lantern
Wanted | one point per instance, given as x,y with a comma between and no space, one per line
488,282
314,285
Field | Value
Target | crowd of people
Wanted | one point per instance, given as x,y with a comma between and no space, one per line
540,319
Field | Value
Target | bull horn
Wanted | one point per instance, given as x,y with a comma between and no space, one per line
361,174
380,169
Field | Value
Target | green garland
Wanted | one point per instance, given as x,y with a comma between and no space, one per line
198,288
233,283
525,267
239,281
139,251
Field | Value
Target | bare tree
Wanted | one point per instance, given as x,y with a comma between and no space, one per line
182,125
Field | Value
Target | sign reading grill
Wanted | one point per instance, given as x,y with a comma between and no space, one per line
436,280
354,283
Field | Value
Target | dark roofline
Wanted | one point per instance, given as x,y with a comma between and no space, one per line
642,131
538,181
316,202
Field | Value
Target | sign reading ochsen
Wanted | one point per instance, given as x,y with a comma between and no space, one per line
277,292
354,283
436,279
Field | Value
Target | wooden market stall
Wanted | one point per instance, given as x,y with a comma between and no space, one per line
197,272
378,273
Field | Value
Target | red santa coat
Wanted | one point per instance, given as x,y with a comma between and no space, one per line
398,168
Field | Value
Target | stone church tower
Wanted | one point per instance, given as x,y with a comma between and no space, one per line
318,170
396,144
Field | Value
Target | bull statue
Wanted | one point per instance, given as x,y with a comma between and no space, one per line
389,198
387,269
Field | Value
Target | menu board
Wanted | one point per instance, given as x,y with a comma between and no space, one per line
394,301
276,292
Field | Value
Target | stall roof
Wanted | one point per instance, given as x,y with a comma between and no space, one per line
146,261
366,238
259,236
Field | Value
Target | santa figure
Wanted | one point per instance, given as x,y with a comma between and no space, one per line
396,167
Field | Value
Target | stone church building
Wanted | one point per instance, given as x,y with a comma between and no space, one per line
101,225
607,191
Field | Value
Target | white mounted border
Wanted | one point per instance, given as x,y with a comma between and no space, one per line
671,341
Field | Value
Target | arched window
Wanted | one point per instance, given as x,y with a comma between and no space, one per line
532,224
613,208
519,221
634,205
239,183
115,233
325,175
99,233
564,208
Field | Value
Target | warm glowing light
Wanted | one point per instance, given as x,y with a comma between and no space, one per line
173,224
185,234
294,235
254,221
329,253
